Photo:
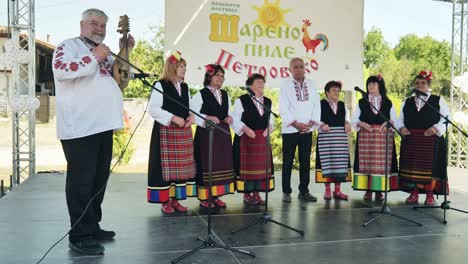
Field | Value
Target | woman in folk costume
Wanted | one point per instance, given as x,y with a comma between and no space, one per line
252,160
423,152
171,168
369,162
213,103
332,155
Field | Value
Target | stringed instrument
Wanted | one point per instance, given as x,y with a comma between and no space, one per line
121,70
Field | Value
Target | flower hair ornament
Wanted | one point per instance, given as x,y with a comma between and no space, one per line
175,57
426,74
210,69
379,77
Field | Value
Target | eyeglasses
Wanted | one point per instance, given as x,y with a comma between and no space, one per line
220,75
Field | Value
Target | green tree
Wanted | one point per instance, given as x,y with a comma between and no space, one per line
427,53
375,48
149,57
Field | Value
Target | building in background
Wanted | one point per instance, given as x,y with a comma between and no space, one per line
44,79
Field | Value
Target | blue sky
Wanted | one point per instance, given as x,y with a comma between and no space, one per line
396,18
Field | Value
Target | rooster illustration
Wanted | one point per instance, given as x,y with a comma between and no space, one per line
312,44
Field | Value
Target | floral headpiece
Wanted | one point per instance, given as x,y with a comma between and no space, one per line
379,77
210,69
426,74
175,57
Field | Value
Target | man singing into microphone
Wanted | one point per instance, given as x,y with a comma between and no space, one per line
89,109
300,111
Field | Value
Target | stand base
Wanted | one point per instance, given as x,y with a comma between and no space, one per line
386,211
266,218
444,206
209,242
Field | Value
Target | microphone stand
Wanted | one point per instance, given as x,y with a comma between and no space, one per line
445,204
209,240
266,217
385,210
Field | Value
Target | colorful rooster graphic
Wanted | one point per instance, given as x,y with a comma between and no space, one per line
312,44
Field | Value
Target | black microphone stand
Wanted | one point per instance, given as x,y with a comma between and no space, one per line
209,240
385,210
266,217
445,204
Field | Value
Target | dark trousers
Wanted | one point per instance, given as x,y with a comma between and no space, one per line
88,167
290,142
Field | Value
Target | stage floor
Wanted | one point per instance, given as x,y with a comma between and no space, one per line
34,216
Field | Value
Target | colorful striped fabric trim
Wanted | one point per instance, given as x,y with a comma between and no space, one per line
375,183
319,178
216,191
254,185
178,191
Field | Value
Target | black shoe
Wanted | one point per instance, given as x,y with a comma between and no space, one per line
307,197
102,234
88,246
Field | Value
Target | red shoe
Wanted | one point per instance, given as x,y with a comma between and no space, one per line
167,207
327,195
177,206
258,199
219,203
340,196
368,196
206,204
413,198
430,199
379,196
249,199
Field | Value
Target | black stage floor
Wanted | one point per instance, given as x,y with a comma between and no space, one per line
34,215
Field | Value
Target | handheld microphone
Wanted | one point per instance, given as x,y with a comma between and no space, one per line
357,89
141,75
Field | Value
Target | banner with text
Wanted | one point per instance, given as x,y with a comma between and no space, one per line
262,36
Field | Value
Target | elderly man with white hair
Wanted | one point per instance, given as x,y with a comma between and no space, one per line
89,109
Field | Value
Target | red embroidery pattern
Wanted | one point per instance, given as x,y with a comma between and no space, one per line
302,93
73,66
105,68
86,59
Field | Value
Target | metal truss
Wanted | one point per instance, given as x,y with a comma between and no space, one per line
23,85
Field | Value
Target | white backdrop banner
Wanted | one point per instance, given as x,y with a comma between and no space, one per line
262,36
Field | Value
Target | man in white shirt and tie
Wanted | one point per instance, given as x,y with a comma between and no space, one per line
300,113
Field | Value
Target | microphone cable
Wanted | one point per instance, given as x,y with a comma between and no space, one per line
103,187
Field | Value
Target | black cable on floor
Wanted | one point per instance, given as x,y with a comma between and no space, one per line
103,187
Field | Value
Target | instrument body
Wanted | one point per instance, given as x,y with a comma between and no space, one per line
121,70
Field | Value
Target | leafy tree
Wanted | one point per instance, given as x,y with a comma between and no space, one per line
149,57
427,53
375,48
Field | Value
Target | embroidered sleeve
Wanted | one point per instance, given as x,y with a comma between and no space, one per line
68,64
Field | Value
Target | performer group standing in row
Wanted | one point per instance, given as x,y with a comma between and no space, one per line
90,108
179,168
